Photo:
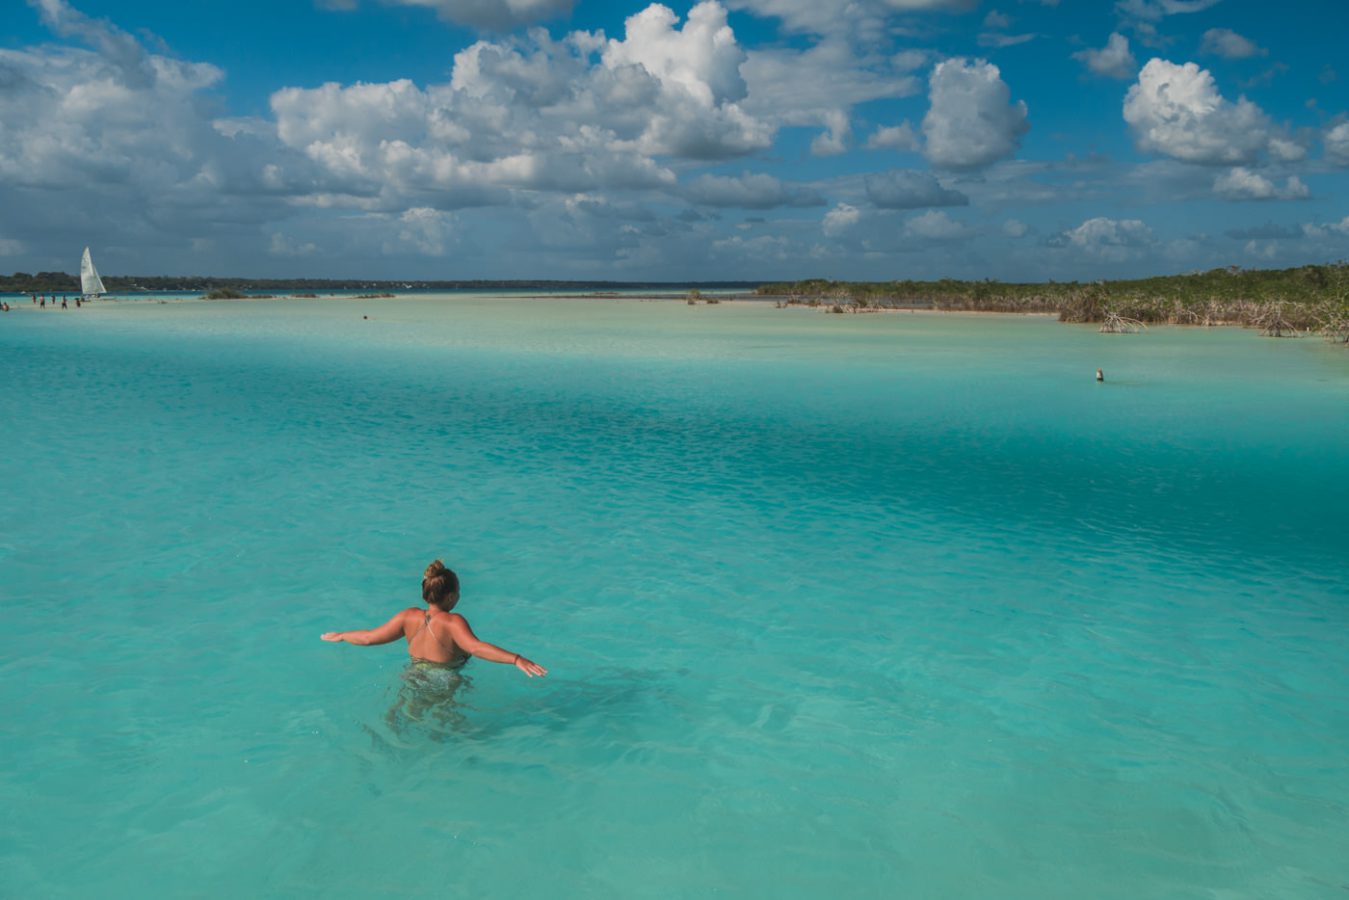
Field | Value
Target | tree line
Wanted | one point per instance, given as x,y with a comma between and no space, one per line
1279,301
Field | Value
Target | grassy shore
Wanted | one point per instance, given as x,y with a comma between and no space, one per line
1280,302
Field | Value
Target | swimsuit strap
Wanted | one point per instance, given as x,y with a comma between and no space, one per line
426,626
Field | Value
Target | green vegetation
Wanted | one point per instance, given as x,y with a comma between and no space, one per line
223,294
1277,301
41,283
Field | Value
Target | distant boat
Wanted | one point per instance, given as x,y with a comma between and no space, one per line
90,284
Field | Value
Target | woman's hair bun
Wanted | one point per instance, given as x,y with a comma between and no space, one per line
439,584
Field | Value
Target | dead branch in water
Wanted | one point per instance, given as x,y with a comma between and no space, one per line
1116,324
1335,326
1274,323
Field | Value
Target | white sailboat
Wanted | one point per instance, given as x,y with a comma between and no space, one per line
90,284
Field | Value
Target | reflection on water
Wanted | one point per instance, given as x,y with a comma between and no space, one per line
606,711
429,699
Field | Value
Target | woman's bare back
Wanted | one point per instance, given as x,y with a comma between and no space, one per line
428,637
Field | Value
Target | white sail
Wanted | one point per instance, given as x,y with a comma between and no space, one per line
90,283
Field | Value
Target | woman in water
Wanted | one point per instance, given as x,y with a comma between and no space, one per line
436,635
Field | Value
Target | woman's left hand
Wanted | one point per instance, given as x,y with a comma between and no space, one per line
529,667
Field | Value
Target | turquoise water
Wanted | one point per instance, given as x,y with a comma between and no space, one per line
893,605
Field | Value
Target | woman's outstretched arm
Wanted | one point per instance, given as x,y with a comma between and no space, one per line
466,640
390,631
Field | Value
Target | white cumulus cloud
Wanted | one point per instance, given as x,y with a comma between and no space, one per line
840,219
972,121
703,57
423,231
521,122
1326,229
1177,110
1227,43
1336,142
698,69
128,130
1114,60
819,86
834,140
749,191
1243,184
905,189
1114,240
531,113
935,225
1285,150
893,137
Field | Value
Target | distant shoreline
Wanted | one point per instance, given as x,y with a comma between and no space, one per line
62,282
1286,302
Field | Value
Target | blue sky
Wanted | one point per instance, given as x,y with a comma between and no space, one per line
728,139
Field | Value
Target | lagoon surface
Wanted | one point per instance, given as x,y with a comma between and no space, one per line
890,605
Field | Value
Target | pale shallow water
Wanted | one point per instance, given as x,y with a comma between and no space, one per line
897,605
